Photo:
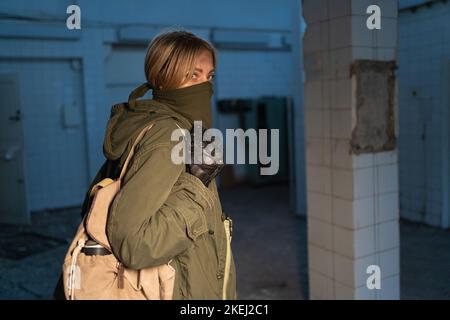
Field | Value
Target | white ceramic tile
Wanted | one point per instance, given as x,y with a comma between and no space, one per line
325,35
387,36
314,123
390,288
363,53
326,132
327,87
390,262
319,206
361,266
341,153
364,212
388,206
343,183
344,270
364,239
386,157
363,293
313,95
320,286
340,8
340,32
344,241
319,233
313,67
315,10
363,183
343,214
387,178
364,160
341,123
319,179
361,35
317,123
318,152
311,39
387,235
386,54
341,94
341,58
320,260
313,64
343,292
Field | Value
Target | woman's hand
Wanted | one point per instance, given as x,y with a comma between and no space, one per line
206,167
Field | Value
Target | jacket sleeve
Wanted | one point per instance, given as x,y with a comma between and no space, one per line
159,211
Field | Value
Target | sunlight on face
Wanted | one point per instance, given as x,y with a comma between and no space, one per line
204,69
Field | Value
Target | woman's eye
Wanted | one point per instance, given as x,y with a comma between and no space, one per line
211,76
194,76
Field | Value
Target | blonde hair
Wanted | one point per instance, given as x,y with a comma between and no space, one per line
171,56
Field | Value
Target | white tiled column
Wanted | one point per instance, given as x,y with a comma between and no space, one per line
352,200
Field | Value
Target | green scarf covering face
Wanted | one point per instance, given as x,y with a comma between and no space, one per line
193,102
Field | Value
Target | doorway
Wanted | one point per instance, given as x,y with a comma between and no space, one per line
50,96
14,208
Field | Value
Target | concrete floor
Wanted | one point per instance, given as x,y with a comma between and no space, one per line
269,246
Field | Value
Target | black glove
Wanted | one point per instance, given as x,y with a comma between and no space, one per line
207,167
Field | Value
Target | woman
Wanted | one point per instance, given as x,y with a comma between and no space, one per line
165,211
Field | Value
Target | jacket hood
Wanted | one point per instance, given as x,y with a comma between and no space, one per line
128,119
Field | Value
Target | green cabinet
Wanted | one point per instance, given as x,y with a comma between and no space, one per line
269,113
262,113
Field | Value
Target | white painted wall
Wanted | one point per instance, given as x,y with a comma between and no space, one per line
255,14
51,98
111,68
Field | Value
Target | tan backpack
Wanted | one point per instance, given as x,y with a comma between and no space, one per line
103,276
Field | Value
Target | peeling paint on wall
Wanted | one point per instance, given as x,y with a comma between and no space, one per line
374,130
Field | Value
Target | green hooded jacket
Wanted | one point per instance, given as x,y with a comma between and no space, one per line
162,212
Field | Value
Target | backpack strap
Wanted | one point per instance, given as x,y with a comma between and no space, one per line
131,153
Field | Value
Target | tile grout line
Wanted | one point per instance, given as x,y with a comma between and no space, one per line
330,131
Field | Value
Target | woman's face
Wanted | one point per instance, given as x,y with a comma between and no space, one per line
203,69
